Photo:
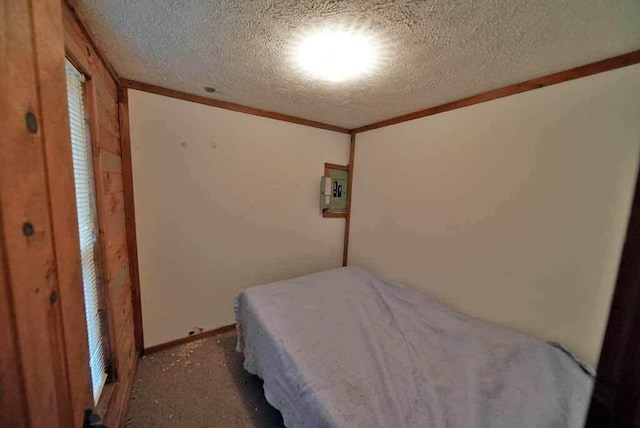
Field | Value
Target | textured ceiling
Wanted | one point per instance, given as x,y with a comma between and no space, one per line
432,51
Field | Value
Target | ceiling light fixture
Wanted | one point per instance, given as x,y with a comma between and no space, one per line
336,54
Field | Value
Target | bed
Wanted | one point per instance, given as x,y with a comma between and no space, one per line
345,348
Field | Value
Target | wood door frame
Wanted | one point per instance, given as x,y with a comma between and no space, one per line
616,396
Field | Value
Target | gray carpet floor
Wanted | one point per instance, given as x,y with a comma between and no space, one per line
199,384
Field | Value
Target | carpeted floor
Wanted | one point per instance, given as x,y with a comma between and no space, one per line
199,384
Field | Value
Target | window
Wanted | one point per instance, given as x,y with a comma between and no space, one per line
87,226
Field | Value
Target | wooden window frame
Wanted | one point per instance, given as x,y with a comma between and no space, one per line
84,65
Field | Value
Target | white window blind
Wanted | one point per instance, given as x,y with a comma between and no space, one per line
87,225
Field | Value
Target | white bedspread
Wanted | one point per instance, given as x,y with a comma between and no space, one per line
344,348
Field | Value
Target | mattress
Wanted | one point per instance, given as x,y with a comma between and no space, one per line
345,348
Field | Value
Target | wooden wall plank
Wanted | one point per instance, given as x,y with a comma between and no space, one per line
30,264
114,242
123,313
13,405
114,217
114,204
121,304
115,223
59,168
121,277
112,182
111,162
123,101
109,112
108,89
109,140
108,117
115,257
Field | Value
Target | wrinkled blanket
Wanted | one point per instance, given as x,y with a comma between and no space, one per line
345,348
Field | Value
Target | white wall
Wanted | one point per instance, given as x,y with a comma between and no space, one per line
513,210
211,221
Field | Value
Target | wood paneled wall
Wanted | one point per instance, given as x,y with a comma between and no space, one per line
44,363
102,91
44,374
